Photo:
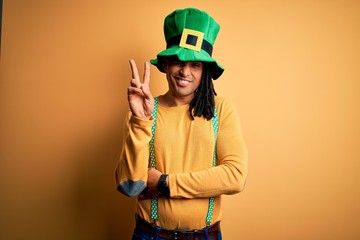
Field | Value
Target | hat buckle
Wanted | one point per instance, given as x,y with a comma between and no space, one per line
191,39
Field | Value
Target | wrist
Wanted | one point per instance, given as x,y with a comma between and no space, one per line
163,186
143,117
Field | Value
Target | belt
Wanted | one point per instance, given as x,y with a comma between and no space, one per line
213,231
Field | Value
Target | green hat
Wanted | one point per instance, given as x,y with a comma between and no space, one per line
190,35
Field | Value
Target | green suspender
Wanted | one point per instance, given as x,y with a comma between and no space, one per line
154,201
215,123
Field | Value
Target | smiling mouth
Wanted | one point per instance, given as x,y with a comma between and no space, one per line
182,82
180,78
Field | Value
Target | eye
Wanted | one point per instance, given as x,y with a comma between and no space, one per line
196,64
176,63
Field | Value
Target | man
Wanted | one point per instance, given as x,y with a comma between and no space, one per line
184,149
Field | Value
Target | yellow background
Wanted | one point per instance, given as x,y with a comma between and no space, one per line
291,67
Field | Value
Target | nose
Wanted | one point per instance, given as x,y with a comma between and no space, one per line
185,70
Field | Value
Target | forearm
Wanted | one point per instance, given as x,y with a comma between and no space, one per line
223,179
131,170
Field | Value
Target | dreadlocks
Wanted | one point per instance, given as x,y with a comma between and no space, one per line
203,103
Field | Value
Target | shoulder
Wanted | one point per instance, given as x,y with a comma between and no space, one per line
226,109
224,104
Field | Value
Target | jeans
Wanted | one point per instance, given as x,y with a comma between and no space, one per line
140,235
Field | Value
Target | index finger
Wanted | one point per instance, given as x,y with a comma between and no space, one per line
134,70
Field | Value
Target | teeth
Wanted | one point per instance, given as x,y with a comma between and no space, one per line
183,82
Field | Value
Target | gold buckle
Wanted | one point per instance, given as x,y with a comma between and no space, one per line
185,35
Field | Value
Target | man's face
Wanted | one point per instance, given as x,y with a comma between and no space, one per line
183,78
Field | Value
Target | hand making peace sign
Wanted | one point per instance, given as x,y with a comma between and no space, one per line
141,101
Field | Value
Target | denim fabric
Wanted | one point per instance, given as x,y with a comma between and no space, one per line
140,235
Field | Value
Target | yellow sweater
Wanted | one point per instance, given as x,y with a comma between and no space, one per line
184,150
